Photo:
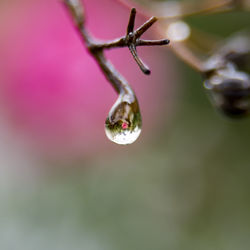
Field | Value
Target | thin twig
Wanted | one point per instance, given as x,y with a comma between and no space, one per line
152,43
140,63
130,40
188,9
205,7
187,56
145,27
131,23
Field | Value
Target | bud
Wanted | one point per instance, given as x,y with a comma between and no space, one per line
230,90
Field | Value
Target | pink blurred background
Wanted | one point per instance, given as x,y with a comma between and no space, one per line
63,185
54,99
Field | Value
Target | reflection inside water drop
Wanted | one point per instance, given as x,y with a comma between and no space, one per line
123,136
123,124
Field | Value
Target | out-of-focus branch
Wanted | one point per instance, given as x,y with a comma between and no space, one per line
176,9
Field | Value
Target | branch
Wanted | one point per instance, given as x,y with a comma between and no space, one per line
130,40
166,11
123,124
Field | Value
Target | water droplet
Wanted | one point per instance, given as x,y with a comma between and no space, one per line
123,124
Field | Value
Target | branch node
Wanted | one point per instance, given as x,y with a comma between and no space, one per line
131,39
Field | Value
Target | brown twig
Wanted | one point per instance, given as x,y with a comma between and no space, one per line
130,40
123,124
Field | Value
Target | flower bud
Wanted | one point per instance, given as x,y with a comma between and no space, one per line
230,90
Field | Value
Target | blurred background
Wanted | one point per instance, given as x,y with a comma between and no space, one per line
183,185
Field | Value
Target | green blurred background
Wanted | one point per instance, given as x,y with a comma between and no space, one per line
188,188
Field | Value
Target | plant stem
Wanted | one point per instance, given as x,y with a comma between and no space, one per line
130,40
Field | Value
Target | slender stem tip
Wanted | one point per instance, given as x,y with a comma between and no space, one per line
166,41
133,11
154,19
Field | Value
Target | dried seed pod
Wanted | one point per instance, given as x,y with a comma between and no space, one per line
229,89
227,75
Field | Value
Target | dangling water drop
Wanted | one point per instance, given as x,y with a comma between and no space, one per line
123,124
